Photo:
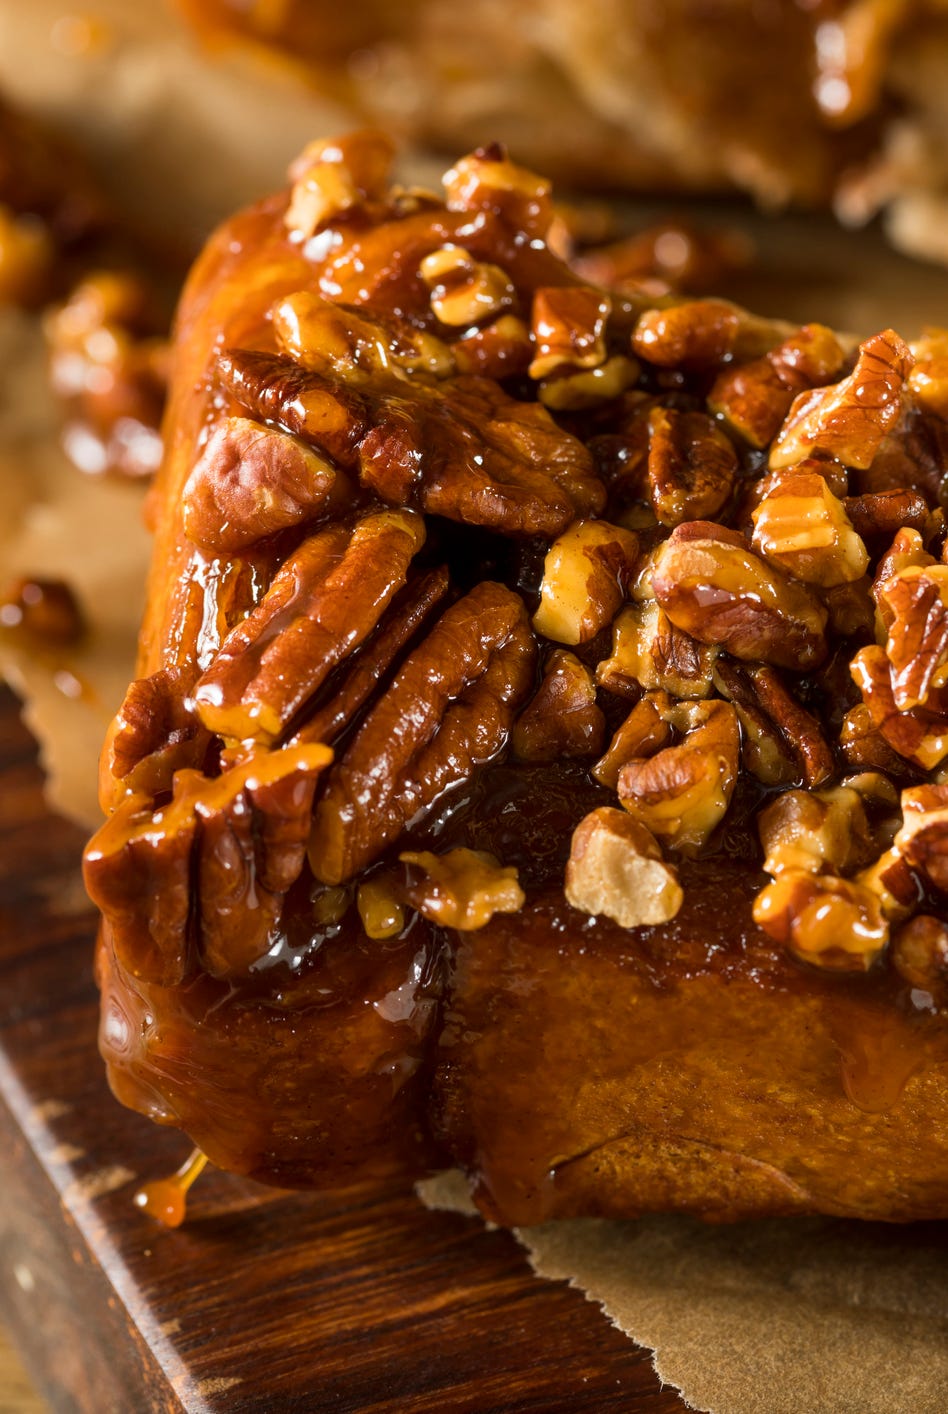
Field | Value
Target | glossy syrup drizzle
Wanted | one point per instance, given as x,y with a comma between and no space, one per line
166,1199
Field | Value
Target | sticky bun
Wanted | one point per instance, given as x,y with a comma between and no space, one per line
536,761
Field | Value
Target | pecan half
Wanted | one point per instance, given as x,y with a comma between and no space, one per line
562,719
322,603
754,398
692,466
276,389
919,733
914,604
682,792
447,712
849,420
251,481
717,589
153,735
782,742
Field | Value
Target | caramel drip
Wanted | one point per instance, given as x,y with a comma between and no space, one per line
166,1199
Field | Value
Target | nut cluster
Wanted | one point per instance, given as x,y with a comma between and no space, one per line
466,506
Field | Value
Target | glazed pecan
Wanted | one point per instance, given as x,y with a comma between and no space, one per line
586,574
616,868
569,328
447,712
920,955
781,742
644,731
802,527
352,344
322,603
202,879
914,605
923,838
692,466
251,481
465,291
275,388
487,181
649,651
501,349
919,733
153,735
335,176
754,398
715,587
586,388
461,889
834,923
682,792
849,420
886,512
816,831
703,334
562,719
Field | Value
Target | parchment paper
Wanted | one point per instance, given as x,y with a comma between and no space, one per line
793,1317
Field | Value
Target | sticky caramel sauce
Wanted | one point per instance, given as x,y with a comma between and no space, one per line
166,1199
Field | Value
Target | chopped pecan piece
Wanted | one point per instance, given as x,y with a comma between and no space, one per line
754,398
923,838
322,603
702,334
920,955
352,344
715,587
586,575
562,719
501,349
334,176
488,181
212,865
644,731
447,712
834,923
461,889
886,512
153,735
569,328
574,391
465,291
802,527
815,831
682,792
692,466
782,743
864,748
616,868
919,733
251,481
914,605
849,420
649,651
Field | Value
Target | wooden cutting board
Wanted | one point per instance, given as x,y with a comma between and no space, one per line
347,1301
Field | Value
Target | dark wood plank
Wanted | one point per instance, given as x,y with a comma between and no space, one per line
348,1301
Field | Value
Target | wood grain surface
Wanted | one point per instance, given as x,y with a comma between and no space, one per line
346,1301
17,1395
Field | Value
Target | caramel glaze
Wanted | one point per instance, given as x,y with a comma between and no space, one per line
565,1062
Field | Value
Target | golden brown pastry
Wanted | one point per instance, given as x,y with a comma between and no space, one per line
536,758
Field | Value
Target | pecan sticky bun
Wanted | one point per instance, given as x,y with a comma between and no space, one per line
537,757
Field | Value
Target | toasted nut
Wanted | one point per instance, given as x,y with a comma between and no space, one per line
721,592
919,733
850,419
702,334
755,397
501,349
886,512
644,731
586,574
692,466
682,793
815,831
334,176
864,748
573,392
464,290
153,735
923,838
379,907
251,481
914,604
649,651
562,719
802,527
928,380
920,955
322,603
569,328
616,868
781,742
488,180
461,889
894,883
447,713
833,923
325,337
